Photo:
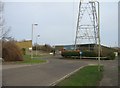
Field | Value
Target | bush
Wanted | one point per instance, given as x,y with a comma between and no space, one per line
70,53
10,51
89,54
77,53
111,56
67,53
23,51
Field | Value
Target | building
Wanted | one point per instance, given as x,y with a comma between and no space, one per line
86,47
72,47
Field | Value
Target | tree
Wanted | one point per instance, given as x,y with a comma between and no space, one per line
1,27
4,30
11,52
8,49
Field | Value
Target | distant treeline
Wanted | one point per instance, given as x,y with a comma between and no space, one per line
46,48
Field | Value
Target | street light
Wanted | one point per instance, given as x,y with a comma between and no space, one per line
35,24
36,43
99,47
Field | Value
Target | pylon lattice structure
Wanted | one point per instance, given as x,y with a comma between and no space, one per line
87,24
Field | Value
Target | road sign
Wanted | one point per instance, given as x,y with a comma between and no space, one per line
81,53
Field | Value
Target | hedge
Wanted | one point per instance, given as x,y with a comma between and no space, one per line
89,54
77,53
70,53
111,56
66,53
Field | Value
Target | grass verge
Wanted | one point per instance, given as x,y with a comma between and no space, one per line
87,76
28,60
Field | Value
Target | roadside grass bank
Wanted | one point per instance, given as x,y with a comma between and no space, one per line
87,76
28,60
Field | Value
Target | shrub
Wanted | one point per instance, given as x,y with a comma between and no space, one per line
70,53
77,53
111,56
89,54
23,51
10,51
67,53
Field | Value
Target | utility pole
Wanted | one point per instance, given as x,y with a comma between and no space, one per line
99,49
33,25
99,45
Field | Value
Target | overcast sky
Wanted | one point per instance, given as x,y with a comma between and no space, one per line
57,21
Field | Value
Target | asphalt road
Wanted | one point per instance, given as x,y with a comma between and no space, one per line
110,77
40,75
48,73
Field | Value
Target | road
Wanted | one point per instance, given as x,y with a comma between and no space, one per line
110,77
40,75
48,73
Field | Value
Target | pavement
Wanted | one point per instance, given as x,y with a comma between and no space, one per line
110,73
13,66
55,69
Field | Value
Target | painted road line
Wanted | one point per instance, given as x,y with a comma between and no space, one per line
66,76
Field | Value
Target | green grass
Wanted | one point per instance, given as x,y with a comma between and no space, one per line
28,60
87,76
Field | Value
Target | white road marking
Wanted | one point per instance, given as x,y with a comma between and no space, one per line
66,76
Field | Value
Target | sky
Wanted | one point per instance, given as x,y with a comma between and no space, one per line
57,21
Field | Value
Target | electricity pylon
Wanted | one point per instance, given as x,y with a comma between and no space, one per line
88,26
87,31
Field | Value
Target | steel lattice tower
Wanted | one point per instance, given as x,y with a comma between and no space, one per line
87,24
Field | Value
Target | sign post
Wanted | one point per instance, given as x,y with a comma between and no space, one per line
80,54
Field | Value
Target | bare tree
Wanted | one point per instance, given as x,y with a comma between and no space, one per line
1,19
4,30
1,27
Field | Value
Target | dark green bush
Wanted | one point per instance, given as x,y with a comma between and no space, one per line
108,55
111,56
89,54
70,53
77,53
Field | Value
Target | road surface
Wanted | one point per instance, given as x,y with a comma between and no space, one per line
48,73
40,75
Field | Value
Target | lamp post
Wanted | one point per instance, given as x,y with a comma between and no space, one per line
35,24
99,46
36,43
